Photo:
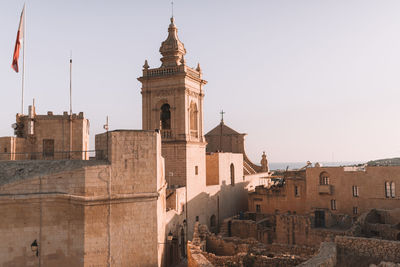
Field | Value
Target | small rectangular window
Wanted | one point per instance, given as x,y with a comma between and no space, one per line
355,210
197,218
258,208
333,204
296,191
196,170
355,191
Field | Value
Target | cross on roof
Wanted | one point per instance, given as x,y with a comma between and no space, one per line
222,115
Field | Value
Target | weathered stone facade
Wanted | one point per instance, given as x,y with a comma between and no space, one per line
48,137
87,213
203,188
338,190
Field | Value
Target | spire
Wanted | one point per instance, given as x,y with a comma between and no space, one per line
172,50
264,162
198,67
146,65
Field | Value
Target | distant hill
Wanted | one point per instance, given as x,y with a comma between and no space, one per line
384,162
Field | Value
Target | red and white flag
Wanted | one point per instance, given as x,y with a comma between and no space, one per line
20,36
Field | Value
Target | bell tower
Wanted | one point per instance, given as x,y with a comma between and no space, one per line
172,101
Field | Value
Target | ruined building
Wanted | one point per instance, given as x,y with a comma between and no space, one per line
319,190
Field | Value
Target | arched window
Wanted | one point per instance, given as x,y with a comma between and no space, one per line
324,178
232,174
193,113
165,117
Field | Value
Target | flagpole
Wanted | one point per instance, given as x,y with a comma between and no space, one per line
70,105
23,64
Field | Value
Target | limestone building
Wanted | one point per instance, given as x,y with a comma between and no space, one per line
172,101
47,137
104,212
136,202
202,187
321,191
224,139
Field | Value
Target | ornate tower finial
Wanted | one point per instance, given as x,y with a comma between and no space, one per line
146,65
172,49
198,67
183,60
264,162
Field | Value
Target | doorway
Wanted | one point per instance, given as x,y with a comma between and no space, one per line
319,218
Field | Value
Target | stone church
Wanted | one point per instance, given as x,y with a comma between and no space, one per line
136,202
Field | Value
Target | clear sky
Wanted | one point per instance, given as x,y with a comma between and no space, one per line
306,80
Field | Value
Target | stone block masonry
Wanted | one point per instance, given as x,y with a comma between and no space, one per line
87,213
381,250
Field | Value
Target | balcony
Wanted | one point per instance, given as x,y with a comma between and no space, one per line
325,189
166,134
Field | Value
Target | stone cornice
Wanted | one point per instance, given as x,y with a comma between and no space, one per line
75,199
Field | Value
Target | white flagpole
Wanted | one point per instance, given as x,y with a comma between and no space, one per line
23,64
70,106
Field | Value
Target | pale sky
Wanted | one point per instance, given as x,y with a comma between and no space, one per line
306,80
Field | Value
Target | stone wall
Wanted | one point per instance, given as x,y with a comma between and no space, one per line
287,197
380,250
326,256
87,213
298,229
244,229
195,248
206,249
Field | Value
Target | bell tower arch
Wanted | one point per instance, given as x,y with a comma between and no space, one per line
172,101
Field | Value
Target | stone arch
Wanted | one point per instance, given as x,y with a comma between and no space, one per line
324,178
232,169
165,116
